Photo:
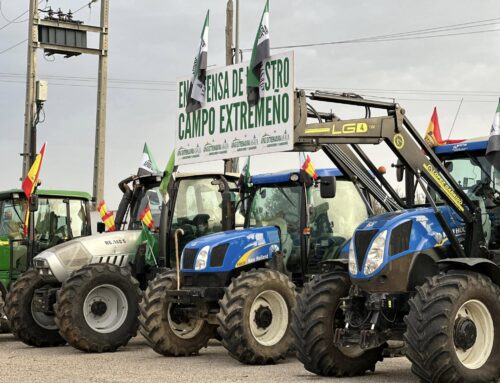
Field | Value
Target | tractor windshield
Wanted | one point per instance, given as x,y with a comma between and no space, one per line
279,205
198,210
60,219
12,218
153,198
479,179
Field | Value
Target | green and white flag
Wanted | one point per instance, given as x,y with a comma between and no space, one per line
260,52
167,174
493,149
196,95
148,163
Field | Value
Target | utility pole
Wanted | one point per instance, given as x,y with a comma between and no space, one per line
102,90
60,34
231,164
29,111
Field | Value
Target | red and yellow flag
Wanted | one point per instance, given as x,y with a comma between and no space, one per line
309,168
147,218
433,133
106,216
31,179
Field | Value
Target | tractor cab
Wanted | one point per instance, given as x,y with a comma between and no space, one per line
313,226
477,177
59,217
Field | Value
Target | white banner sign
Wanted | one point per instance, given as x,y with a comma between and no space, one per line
226,126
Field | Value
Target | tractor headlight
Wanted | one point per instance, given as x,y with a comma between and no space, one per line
375,255
353,266
201,258
72,255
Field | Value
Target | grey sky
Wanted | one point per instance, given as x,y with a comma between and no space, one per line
157,40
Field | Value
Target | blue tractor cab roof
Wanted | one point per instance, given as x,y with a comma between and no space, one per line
284,176
471,145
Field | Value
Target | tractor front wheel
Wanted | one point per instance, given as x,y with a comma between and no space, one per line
316,317
97,308
453,329
164,324
32,327
255,316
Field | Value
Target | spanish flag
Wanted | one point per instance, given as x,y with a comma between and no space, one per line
31,179
147,218
106,216
309,168
433,133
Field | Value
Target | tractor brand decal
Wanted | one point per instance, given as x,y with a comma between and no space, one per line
4,243
350,128
254,255
398,141
445,188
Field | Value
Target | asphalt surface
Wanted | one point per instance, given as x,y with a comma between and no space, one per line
138,363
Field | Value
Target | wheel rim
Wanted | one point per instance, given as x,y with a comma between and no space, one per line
184,329
475,356
268,318
43,320
105,308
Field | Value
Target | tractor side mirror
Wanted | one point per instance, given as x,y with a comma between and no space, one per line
449,166
101,227
328,187
400,171
33,206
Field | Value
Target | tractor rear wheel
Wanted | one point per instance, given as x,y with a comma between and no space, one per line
4,322
316,317
167,330
255,316
97,308
31,327
453,329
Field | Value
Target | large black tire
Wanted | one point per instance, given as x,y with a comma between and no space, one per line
432,327
18,310
4,322
316,316
248,332
97,308
163,334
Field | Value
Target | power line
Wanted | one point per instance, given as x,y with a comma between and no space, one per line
407,35
13,46
82,78
89,4
9,22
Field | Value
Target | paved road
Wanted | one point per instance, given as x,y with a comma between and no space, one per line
138,363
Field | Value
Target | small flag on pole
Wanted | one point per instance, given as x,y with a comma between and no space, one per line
309,168
106,216
147,217
30,183
196,94
148,164
167,174
260,52
493,149
245,174
433,132
31,180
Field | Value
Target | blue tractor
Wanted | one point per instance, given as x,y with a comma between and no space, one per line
243,282
428,274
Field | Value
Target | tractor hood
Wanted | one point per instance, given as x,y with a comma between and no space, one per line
384,238
225,251
112,247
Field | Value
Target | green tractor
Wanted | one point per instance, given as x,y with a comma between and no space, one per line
57,216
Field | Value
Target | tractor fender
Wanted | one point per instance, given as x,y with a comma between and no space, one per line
480,265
